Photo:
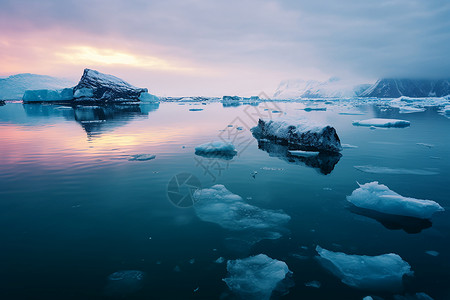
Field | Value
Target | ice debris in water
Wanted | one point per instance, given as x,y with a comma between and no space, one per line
432,253
378,122
376,273
301,133
256,277
315,284
216,148
348,146
397,171
220,260
124,283
380,198
141,157
218,205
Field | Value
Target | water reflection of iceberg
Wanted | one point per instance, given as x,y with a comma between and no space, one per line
323,162
394,222
98,119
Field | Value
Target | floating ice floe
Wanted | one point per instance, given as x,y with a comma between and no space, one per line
124,283
256,277
397,171
378,122
218,205
375,273
411,109
304,134
216,149
432,253
380,198
315,284
303,153
142,157
195,109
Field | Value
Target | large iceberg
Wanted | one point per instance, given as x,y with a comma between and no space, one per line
98,87
375,273
380,198
378,122
60,96
257,277
299,134
218,205
216,149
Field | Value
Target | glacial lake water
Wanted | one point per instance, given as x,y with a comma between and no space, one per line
74,208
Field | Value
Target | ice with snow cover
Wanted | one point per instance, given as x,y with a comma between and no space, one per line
62,95
375,273
218,205
380,198
302,133
378,122
256,277
217,148
96,86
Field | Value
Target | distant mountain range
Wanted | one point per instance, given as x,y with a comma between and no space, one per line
13,87
383,88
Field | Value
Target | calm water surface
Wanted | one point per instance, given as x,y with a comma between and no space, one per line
74,209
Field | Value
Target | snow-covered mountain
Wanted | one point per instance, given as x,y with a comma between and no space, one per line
332,88
394,88
13,87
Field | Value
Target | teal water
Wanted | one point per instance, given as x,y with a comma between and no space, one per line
74,209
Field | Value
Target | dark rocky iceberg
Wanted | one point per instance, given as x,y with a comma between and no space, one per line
394,88
98,87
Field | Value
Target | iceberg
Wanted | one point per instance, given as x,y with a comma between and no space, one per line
257,277
378,122
37,96
379,197
303,134
375,273
98,87
124,283
218,205
147,97
217,150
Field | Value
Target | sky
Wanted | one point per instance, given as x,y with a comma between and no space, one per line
212,48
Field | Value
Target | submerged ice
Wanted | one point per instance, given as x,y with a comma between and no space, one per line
375,273
256,277
124,283
378,122
380,198
218,205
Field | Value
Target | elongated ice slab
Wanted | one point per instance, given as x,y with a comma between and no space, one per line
377,122
376,273
255,277
305,134
380,198
397,171
141,157
216,148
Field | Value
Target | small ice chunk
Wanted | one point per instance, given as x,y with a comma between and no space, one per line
378,273
142,157
256,277
411,109
398,171
196,289
432,253
425,145
220,260
124,283
308,109
315,284
147,97
216,148
239,128
195,109
378,122
303,153
368,298
348,146
380,198
192,261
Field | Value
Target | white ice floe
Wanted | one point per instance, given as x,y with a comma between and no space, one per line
396,171
216,148
376,273
255,277
303,153
380,198
378,122
218,205
141,157
124,283
299,132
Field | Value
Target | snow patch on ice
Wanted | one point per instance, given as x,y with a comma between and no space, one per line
216,148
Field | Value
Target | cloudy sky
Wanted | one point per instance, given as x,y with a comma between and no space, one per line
200,47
